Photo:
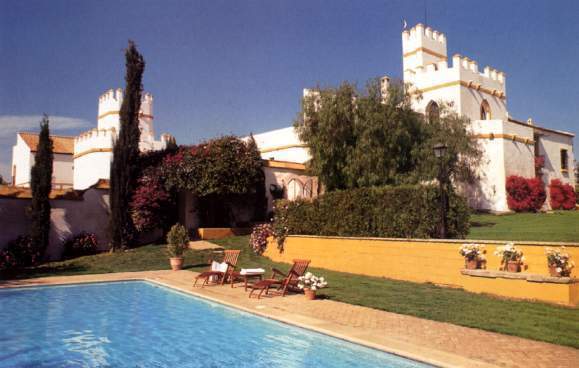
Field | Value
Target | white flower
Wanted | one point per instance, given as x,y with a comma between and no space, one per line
559,269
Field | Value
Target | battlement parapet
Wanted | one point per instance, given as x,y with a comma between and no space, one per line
419,32
111,101
94,139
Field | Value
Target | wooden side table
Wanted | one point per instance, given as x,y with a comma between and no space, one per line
249,276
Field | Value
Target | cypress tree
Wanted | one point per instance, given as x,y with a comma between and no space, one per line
40,185
124,168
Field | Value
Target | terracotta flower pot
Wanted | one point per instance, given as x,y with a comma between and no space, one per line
310,294
471,264
553,271
176,263
513,266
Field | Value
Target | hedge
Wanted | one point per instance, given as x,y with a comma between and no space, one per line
411,211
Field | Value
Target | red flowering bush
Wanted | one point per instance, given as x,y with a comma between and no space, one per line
563,196
81,244
19,253
151,205
525,194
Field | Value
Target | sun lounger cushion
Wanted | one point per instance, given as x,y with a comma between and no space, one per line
217,266
249,271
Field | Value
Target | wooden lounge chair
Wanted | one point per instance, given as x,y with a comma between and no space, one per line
229,257
284,282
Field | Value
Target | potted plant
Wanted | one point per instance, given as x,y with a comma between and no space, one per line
559,262
474,255
177,242
310,283
511,257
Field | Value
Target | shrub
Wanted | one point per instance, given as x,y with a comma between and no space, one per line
152,206
177,241
19,253
258,238
525,194
400,212
562,195
81,244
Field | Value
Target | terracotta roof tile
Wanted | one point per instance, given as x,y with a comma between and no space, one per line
8,191
61,144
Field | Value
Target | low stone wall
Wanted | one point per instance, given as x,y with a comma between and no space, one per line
435,261
211,233
68,217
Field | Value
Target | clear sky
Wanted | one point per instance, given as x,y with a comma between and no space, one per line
235,67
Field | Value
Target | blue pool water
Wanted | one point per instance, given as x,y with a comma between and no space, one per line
139,324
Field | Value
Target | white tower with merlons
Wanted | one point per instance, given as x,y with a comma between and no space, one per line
93,150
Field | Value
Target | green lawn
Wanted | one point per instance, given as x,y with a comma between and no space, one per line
560,226
537,321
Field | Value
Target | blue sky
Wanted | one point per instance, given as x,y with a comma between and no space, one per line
234,67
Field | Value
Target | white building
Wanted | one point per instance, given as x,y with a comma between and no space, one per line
82,161
23,160
509,146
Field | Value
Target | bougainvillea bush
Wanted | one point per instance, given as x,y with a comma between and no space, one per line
152,205
525,194
258,238
226,165
562,195
81,244
19,253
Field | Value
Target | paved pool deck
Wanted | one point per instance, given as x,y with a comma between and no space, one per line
437,343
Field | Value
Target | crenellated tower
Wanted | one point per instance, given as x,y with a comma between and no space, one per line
471,93
422,46
93,150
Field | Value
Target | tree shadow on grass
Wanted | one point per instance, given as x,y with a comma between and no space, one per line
482,223
43,271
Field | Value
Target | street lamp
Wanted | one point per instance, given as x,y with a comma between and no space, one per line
439,152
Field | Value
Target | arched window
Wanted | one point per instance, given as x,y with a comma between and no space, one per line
308,189
432,111
485,110
295,189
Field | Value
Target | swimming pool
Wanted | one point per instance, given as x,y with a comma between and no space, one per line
140,324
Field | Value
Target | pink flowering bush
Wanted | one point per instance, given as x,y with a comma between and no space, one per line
152,205
81,244
524,194
19,253
562,195
258,238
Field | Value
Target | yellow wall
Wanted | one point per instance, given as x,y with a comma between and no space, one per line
210,233
428,261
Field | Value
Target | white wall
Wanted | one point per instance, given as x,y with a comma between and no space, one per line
68,217
89,168
550,146
22,159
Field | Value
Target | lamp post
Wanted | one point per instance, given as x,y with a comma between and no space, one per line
440,151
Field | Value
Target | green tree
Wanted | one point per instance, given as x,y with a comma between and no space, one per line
327,124
125,165
2,180
362,138
463,152
40,185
